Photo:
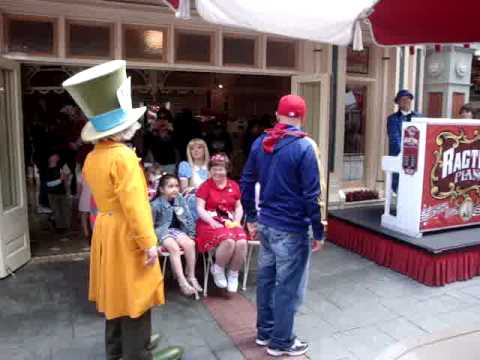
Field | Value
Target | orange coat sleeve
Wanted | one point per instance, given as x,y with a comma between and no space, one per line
130,188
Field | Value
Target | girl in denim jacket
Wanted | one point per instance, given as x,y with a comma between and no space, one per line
175,228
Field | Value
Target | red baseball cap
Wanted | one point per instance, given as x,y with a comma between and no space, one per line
292,106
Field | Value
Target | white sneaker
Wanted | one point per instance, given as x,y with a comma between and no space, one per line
232,280
298,348
44,210
219,276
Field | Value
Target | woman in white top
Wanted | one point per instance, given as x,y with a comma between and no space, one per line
194,172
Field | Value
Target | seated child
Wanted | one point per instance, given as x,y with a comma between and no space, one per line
175,229
152,174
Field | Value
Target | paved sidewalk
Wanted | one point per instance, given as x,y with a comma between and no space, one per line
353,310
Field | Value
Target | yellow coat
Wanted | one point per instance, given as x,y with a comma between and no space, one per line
120,282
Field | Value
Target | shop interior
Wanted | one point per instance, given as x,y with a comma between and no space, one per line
241,105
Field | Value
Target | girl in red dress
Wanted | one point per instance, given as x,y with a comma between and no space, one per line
220,212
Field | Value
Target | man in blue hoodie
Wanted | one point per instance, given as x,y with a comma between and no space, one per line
285,163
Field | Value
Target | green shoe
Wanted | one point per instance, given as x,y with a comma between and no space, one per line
170,353
154,341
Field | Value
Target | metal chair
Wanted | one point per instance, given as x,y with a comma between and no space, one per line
252,244
166,255
207,263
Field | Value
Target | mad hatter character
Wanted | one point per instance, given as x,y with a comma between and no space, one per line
125,277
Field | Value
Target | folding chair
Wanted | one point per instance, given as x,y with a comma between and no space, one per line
166,256
207,263
252,244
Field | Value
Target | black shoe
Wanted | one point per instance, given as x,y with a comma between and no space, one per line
298,348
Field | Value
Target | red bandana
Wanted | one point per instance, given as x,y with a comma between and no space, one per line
277,133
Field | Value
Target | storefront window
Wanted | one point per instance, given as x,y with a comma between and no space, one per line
195,47
89,40
281,54
238,51
355,123
145,43
358,61
30,35
8,159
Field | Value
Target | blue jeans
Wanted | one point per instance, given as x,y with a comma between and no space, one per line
281,281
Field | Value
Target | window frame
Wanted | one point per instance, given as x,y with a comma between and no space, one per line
166,38
256,61
213,47
111,26
7,19
296,45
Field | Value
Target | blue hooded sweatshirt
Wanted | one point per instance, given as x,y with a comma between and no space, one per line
290,185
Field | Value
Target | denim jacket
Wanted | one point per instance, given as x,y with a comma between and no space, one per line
162,212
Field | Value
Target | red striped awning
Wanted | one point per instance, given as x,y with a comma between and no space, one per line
413,22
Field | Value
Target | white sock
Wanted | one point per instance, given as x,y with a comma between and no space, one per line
232,273
218,269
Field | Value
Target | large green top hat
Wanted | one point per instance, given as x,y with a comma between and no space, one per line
103,92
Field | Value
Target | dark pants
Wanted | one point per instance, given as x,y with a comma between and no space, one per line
395,178
43,191
128,338
72,166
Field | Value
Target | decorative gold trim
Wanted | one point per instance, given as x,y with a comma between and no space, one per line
454,191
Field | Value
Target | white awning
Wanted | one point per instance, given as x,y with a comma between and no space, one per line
326,21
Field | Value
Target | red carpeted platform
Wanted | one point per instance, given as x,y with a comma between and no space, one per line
424,260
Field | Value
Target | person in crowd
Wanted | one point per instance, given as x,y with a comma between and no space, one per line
185,128
160,142
285,163
152,175
57,194
467,111
72,125
41,151
194,172
394,126
85,194
84,209
220,213
175,229
254,130
218,140
125,276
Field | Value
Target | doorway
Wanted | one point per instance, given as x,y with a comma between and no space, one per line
240,104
